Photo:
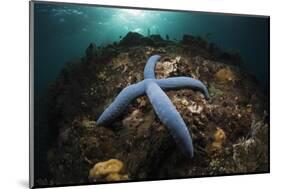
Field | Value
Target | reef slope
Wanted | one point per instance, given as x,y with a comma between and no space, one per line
229,132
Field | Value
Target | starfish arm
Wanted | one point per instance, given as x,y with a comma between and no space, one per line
183,82
170,117
120,103
150,66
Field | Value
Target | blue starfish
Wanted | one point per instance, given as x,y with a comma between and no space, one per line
162,105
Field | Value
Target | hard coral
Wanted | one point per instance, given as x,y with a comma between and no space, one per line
107,170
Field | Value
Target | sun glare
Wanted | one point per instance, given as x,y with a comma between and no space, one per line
133,12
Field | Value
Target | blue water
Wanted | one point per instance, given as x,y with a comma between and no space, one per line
63,32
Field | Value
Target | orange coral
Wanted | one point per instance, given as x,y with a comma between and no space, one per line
109,170
224,75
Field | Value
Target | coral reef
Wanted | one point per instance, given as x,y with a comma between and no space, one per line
229,132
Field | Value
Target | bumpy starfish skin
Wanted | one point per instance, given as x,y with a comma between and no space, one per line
161,103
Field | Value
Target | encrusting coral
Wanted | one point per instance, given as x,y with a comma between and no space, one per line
108,170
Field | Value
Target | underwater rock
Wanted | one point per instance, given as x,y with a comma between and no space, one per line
131,39
230,57
191,40
91,51
158,41
136,39
214,49
96,54
156,38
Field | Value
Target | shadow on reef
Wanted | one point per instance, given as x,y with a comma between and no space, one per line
229,132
